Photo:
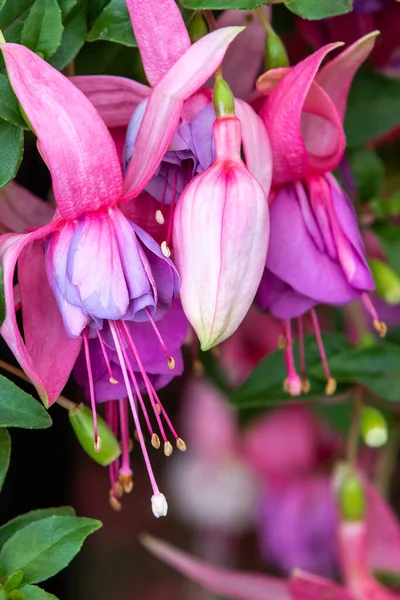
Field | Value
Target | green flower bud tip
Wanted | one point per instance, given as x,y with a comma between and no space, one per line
351,498
197,28
374,428
81,419
13,581
16,595
223,100
275,52
386,280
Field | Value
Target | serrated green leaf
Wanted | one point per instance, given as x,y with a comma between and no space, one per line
113,25
43,28
32,592
5,454
9,529
18,409
373,107
389,237
2,2
221,4
45,547
319,9
9,107
95,9
264,387
376,367
73,38
11,150
12,18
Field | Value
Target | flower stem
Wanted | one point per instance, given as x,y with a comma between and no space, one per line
209,17
352,440
61,400
263,19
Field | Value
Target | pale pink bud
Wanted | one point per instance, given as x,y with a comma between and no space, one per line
221,232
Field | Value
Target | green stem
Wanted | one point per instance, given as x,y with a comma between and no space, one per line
267,25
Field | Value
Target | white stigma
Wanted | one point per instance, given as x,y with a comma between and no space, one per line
159,505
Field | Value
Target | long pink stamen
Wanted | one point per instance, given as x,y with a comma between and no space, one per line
292,383
97,441
106,358
134,380
331,382
133,408
124,426
379,325
171,362
305,386
133,349
112,421
164,413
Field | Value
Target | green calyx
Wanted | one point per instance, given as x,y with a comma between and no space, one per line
223,100
81,420
197,28
275,52
351,498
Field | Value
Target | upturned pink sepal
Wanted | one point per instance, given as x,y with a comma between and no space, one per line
221,232
304,126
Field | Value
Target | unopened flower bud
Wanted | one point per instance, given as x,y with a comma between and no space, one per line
275,52
13,581
81,419
351,498
159,505
386,280
374,429
197,28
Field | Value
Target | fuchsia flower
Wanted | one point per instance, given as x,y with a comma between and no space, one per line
162,37
221,231
355,543
91,270
316,255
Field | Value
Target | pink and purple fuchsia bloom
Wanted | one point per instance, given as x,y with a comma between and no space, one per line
316,254
91,271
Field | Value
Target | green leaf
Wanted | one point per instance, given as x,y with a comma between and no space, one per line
73,38
319,9
5,454
11,150
373,107
43,28
369,172
18,409
376,367
337,414
45,547
114,25
9,107
32,592
2,2
222,4
9,529
66,6
264,387
389,237
95,8
12,18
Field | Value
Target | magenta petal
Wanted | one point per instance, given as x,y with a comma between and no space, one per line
115,98
48,382
51,350
383,533
227,583
161,35
74,141
294,257
290,112
20,209
336,76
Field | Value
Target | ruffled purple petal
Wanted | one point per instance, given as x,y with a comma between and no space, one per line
282,301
